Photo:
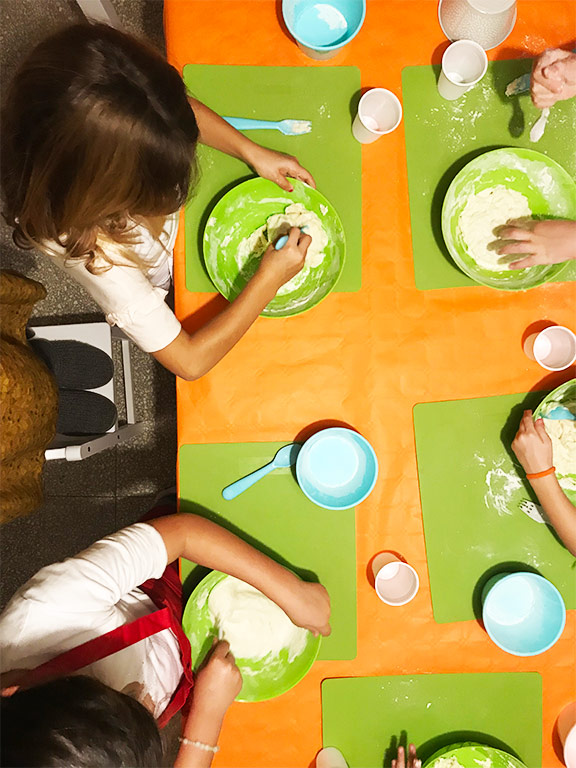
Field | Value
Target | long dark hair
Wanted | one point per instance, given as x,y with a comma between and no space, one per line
77,722
96,130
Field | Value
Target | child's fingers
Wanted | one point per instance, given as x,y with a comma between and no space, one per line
529,261
304,242
306,176
515,233
540,428
518,246
283,182
293,236
221,649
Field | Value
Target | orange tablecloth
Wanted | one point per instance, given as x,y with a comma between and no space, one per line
366,358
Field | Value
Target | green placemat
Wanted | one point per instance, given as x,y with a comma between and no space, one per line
330,152
471,487
276,517
363,717
443,136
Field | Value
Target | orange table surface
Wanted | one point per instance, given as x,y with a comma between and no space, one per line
366,359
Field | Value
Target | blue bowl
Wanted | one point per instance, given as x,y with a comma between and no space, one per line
324,25
523,613
337,468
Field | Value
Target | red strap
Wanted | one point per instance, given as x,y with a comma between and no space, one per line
99,647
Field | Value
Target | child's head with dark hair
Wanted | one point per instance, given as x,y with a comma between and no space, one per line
77,722
96,130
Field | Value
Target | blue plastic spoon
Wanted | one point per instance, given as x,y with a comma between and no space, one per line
285,457
560,412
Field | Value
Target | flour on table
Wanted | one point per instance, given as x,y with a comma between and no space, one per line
484,212
562,432
254,626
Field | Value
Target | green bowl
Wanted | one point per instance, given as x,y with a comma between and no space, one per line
244,209
472,755
549,189
563,395
262,679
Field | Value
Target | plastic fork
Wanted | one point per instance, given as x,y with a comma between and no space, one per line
287,127
534,511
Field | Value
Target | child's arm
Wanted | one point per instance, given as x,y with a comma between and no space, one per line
533,449
206,543
216,686
190,356
276,166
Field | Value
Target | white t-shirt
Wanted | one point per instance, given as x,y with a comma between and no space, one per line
130,298
84,597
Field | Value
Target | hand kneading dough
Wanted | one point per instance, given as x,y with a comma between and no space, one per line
482,214
562,432
254,626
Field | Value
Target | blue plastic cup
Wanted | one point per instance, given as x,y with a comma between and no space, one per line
523,613
322,27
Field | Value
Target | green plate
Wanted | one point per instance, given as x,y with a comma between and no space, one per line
471,755
549,189
262,679
563,395
244,209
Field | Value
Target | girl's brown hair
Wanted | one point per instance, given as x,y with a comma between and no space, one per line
97,130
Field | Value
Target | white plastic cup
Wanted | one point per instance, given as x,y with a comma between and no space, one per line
330,757
567,733
395,581
554,348
464,64
487,22
379,112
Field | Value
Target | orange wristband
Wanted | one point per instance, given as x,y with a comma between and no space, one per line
536,475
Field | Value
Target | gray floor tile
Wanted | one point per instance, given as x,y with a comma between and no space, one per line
95,476
63,527
130,509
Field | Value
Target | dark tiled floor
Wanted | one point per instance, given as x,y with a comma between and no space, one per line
88,499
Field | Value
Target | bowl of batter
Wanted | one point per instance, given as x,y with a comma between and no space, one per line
272,653
493,189
256,213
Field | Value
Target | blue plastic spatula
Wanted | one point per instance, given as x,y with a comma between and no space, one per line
285,457
287,127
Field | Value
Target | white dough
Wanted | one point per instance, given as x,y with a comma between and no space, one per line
296,215
562,432
482,214
254,626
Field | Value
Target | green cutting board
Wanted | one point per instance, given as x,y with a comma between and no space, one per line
276,517
330,152
471,487
365,717
443,136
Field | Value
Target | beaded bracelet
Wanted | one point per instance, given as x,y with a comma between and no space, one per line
198,745
536,475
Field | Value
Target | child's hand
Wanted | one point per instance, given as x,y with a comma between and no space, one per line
553,78
218,681
542,242
308,606
413,761
277,166
532,446
281,266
